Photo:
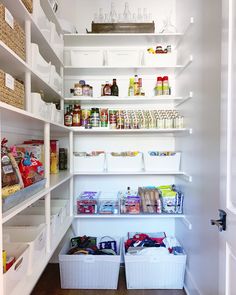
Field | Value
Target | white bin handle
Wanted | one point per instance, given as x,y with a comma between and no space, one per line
19,264
89,259
154,259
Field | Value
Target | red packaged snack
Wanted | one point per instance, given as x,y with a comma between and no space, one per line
31,170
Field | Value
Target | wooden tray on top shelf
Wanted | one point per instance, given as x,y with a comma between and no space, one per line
102,28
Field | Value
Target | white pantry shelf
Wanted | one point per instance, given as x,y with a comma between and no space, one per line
55,181
12,64
128,216
74,71
104,173
105,130
164,99
28,283
13,117
51,15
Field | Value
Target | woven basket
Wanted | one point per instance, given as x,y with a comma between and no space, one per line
13,97
28,4
13,38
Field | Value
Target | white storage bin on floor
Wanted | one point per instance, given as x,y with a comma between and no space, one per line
35,236
56,41
40,17
89,163
160,60
123,57
18,271
155,272
38,106
162,163
89,271
39,64
126,163
87,58
55,80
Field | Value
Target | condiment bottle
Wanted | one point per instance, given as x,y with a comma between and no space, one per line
131,87
159,89
76,116
68,118
107,89
114,89
166,88
78,89
140,85
136,85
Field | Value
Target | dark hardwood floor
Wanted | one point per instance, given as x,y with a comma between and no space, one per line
49,284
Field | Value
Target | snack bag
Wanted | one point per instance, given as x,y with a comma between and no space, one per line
31,170
11,177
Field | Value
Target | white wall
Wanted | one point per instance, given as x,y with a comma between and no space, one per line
81,12
201,150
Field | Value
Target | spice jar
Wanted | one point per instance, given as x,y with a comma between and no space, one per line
78,89
86,90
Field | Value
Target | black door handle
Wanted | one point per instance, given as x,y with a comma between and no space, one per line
221,222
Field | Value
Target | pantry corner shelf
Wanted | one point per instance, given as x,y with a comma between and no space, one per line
128,216
27,284
51,14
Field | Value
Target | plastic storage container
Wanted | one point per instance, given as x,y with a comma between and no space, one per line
89,163
55,80
35,236
56,41
86,58
40,17
160,60
162,163
124,163
39,64
155,272
38,106
89,271
18,271
123,57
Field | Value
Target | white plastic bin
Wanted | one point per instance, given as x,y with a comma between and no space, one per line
89,271
50,111
63,204
160,60
162,163
35,236
56,41
123,57
32,220
155,272
87,58
126,163
18,271
89,163
38,106
40,17
39,64
55,79
59,117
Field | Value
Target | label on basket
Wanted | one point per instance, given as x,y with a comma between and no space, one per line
9,81
9,18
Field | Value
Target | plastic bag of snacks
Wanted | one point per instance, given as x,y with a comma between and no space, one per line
11,177
31,170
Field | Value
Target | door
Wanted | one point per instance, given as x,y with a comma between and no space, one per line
228,150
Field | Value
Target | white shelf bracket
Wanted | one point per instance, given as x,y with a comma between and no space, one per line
185,99
48,220
180,71
187,223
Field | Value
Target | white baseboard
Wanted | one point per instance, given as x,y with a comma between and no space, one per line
190,285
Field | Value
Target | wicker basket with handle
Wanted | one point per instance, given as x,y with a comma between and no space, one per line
13,97
14,37
28,4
